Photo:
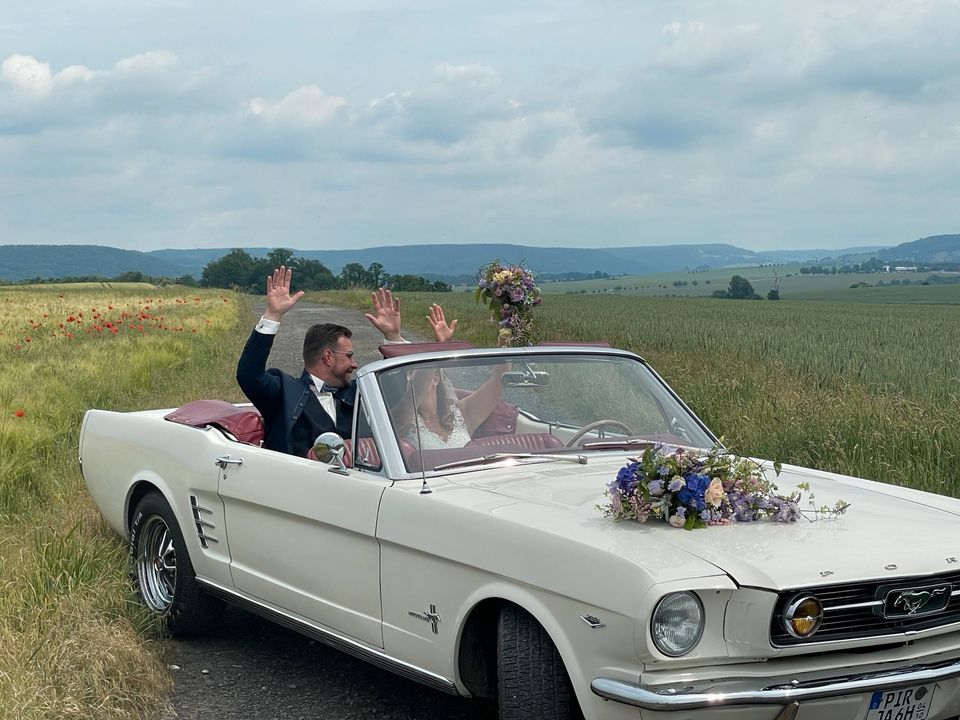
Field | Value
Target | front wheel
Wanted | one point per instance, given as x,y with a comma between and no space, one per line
533,683
162,571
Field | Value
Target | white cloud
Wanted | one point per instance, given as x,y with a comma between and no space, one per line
74,74
27,74
305,106
149,63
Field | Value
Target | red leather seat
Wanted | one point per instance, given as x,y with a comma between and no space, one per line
243,424
367,452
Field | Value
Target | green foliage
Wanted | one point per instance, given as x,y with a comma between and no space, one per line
237,269
741,289
415,283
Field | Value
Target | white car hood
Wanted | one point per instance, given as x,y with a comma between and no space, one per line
888,531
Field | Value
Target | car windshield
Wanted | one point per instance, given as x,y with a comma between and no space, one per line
464,409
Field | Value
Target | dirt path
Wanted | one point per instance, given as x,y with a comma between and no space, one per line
250,669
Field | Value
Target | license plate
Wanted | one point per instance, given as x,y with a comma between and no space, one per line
910,703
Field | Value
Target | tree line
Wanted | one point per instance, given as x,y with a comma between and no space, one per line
238,269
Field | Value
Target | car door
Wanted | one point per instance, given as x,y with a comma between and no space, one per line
302,538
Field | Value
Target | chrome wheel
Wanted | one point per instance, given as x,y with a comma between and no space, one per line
155,564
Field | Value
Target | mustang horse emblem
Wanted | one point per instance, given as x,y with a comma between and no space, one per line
912,601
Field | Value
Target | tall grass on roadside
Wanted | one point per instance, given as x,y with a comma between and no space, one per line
861,389
73,642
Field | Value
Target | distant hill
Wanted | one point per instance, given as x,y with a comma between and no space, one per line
936,248
450,261
22,262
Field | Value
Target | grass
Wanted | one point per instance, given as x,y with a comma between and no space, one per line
73,642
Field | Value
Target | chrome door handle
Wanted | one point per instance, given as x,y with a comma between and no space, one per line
225,460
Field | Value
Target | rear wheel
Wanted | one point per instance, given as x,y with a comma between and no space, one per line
162,571
533,683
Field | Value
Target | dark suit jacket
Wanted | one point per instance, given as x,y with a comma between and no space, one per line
281,398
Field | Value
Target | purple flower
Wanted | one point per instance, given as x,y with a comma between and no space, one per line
677,483
655,487
787,512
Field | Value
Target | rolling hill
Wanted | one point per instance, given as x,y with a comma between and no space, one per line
21,262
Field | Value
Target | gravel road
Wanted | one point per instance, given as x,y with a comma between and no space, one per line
248,668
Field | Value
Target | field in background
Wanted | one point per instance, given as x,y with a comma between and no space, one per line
864,389
792,285
71,638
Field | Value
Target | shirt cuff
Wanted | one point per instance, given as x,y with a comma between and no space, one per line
267,327
401,341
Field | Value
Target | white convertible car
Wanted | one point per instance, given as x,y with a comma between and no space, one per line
486,569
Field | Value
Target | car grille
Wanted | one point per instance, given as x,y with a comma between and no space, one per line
856,610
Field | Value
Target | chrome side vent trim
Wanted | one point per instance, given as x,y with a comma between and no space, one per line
201,524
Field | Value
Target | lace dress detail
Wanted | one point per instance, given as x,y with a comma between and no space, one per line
429,440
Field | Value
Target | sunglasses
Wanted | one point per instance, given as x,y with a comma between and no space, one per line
349,353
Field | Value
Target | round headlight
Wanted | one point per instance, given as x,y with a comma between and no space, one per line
677,624
802,616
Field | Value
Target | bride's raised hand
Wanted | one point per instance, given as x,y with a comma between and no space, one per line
442,331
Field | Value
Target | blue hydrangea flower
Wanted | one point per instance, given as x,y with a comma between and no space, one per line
692,494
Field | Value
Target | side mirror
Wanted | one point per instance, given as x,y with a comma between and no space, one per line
328,448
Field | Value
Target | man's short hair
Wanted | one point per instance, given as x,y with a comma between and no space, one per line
320,337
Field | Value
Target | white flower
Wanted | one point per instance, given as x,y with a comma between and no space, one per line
714,494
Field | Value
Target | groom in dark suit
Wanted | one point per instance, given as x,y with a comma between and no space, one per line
296,410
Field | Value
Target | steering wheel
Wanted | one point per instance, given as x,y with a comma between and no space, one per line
579,434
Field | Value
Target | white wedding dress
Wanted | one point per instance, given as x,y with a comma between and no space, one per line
429,440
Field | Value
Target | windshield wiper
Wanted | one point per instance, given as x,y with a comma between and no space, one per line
629,443
484,459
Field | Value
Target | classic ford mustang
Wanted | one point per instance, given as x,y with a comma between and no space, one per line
469,552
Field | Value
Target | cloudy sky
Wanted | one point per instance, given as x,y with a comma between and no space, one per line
325,124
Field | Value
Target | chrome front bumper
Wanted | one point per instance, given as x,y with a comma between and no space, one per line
726,693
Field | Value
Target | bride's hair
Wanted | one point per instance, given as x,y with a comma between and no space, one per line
446,402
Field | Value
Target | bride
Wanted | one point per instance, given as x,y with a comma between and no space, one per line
442,419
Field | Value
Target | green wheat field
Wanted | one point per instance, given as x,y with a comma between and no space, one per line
861,388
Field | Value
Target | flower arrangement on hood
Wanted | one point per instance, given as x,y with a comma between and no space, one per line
690,490
511,294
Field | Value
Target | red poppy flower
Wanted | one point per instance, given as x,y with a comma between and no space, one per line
19,412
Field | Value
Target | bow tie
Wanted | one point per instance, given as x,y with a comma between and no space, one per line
334,391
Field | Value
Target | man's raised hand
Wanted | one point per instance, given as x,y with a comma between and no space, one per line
279,299
386,314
